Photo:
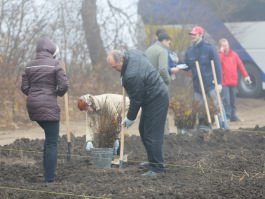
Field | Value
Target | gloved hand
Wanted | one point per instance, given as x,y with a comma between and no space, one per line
248,80
219,88
127,123
89,146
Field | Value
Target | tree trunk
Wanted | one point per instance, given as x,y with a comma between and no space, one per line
92,32
105,76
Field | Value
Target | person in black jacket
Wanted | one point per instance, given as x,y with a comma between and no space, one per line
146,90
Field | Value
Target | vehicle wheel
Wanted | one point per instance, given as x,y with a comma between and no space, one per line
255,88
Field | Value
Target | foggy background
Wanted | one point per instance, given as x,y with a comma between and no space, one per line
85,30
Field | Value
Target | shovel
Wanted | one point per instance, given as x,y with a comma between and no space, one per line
66,99
218,94
66,103
203,94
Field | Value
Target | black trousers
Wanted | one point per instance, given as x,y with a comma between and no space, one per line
51,130
151,128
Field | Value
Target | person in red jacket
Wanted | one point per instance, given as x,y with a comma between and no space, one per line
231,64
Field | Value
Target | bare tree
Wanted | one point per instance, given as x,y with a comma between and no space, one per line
74,27
92,33
20,26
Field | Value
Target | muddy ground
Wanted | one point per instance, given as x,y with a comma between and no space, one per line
222,164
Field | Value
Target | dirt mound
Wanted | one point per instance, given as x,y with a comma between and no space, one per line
221,164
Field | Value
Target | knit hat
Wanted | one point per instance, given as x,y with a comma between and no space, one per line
163,36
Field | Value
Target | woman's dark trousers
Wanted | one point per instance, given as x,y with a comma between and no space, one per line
51,129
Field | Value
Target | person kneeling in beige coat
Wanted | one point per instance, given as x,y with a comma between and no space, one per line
92,104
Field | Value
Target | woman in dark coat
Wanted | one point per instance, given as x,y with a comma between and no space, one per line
43,80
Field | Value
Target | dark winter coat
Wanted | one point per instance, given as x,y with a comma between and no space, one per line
44,80
203,53
141,81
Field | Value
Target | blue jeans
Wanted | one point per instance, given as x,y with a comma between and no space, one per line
229,101
212,94
51,129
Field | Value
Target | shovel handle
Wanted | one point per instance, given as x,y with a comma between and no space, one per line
122,127
66,101
217,92
66,105
203,93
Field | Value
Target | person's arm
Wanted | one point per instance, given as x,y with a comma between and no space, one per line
163,66
186,62
62,81
242,70
240,66
135,90
25,85
169,71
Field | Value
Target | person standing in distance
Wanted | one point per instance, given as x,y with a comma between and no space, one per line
231,64
203,52
158,55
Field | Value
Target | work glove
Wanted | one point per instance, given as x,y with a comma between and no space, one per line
248,80
89,146
219,88
127,123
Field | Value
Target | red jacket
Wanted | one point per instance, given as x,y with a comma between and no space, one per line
230,65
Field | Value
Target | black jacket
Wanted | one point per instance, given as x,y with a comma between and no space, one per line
141,81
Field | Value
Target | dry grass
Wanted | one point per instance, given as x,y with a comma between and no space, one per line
184,113
106,125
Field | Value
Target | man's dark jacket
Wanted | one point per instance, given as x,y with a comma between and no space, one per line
44,80
141,81
204,53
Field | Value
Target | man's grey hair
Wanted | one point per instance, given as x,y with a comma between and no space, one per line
118,55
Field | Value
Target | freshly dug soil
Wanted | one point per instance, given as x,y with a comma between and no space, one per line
221,164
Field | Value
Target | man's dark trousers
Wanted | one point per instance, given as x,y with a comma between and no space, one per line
151,128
